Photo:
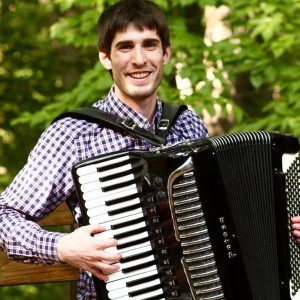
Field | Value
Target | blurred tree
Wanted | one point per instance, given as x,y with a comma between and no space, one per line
49,64
260,61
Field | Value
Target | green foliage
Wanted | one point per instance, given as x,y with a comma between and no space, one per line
46,291
263,52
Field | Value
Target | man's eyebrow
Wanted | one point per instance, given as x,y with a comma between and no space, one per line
126,42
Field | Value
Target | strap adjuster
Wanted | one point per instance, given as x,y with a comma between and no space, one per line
129,123
163,124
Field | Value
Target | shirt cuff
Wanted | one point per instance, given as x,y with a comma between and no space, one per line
46,247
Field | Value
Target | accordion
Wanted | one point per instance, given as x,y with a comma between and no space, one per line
207,219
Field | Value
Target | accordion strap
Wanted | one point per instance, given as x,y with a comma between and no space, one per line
91,114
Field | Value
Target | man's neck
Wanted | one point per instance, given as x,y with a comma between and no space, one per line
145,107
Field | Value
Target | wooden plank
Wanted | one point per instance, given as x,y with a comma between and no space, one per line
16,273
61,216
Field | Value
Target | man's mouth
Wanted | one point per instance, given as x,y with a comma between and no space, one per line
139,75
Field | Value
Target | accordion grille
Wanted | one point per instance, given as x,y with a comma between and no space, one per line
198,258
293,198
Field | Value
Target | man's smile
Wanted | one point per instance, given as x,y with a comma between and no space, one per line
139,75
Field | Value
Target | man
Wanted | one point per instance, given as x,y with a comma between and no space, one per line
134,47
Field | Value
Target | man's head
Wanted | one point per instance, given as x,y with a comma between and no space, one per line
143,14
134,47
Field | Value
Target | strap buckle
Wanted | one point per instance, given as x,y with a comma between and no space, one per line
129,123
163,124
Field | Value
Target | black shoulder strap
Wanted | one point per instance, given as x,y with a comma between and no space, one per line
171,112
94,115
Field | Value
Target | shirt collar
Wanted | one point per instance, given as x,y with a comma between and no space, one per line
115,106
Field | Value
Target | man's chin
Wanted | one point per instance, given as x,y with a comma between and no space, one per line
141,93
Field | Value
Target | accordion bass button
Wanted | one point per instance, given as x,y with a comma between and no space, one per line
158,182
161,196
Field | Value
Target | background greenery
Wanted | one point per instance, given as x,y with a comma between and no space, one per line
249,80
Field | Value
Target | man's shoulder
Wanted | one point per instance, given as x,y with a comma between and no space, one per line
73,127
77,125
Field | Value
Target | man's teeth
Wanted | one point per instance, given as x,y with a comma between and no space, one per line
139,75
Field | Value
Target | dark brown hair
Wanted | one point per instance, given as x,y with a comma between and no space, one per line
141,13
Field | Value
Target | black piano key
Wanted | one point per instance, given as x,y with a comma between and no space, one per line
120,185
130,233
141,280
137,256
121,199
123,209
133,243
128,223
144,290
138,267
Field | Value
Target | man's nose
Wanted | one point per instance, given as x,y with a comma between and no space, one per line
139,56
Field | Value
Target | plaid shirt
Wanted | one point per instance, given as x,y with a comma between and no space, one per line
46,181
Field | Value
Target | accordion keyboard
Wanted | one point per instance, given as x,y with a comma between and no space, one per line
111,193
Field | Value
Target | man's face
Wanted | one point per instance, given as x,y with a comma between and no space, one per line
136,61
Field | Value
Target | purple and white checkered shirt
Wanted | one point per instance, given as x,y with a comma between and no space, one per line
46,181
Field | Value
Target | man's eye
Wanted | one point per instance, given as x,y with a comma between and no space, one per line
125,47
150,45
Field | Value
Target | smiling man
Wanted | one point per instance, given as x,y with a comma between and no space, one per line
136,61
133,46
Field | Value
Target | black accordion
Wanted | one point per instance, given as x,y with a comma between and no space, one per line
207,219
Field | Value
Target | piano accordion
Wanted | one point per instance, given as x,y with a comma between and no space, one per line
207,219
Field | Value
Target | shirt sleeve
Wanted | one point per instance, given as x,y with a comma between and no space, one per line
43,184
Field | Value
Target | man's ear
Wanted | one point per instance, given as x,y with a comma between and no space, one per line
167,55
105,61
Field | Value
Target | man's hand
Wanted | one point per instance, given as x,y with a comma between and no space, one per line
296,227
81,250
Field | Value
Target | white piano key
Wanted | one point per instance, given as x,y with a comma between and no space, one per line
108,234
119,275
81,171
103,209
91,186
136,262
89,178
121,283
121,292
116,193
123,251
137,251
106,218
127,218
94,195
96,175
141,297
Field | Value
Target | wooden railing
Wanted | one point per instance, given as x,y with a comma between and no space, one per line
16,273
